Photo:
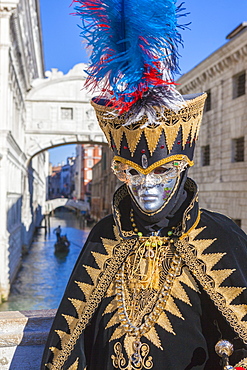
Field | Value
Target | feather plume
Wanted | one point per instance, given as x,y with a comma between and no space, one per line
134,51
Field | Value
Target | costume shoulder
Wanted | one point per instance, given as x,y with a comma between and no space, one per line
223,246
95,253
230,238
103,228
216,253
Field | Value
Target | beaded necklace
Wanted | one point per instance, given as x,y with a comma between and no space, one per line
144,283
174,230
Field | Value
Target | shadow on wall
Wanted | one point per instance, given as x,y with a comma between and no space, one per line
22,218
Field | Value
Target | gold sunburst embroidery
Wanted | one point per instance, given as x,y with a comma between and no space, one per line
87,289
242,363
178,292
210,260
153,337
165,323
204,268
74,366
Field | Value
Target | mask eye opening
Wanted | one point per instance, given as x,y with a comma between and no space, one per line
160,170
133,172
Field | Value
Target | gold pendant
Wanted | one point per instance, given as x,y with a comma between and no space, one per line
139,358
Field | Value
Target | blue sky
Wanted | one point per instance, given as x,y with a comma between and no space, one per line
211,21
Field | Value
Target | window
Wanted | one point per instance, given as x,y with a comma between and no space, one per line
238,149
205,155
66,113
90,163
239,85
208,101
89,174
90,152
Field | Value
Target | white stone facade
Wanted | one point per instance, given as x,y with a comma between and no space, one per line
222,183
59,112
22,189
36,113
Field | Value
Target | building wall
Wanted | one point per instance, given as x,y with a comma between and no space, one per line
104,184
54,182
22,189
86,157
222,183
61,180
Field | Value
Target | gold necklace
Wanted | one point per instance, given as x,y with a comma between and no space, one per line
164,294
143,271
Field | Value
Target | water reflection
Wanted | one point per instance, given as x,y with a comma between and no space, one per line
42,279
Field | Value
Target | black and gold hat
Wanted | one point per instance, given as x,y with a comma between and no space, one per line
134,60
145,145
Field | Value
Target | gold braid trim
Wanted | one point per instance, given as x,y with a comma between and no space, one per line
198,270
242,363
145,171
120,253
120,194
193,226
188,119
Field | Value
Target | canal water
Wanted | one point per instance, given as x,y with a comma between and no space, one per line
42,279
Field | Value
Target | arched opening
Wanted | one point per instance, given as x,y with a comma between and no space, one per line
66,209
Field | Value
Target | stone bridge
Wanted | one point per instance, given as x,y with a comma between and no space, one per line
22,338
56,111
51,205
59,112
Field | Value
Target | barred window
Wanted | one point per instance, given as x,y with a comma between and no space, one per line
89,174
205,155
208,101
238,149
239,85
66,113
90,163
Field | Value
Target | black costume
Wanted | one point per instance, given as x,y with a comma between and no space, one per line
214,254
154,287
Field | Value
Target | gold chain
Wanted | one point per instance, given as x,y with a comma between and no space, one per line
150,251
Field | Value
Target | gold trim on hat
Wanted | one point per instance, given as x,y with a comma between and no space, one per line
188,119
145,171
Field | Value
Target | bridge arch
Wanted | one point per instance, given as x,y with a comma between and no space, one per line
59,112
62,141
52,204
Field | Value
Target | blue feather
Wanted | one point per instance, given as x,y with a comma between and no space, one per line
130,40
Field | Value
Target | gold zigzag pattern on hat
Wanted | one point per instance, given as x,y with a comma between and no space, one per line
188,119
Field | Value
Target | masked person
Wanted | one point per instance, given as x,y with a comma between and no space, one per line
160,283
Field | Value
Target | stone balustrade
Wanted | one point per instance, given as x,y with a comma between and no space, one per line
22,338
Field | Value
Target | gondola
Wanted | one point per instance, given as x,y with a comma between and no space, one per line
62,245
